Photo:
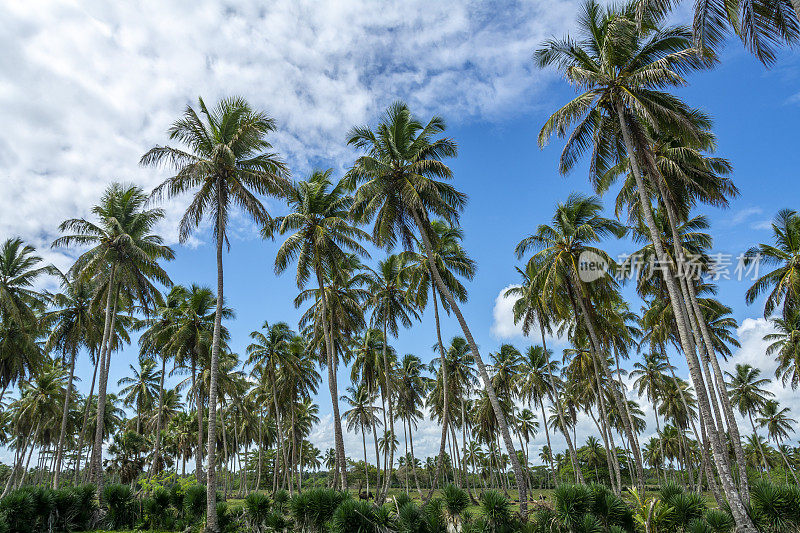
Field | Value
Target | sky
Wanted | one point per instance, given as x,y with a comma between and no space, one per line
87,87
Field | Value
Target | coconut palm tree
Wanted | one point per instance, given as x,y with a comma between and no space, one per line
409,400
785,343
72,326
778,425
782,284
360,417
41,400
558,248
226,162
140,388
650,381
748,394
322,236
156,341
622,94
20,270
761,25
392,306
453,262
192,341
269,352
123,259
401,186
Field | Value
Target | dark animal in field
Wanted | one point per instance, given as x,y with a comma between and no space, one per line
542,498
365,496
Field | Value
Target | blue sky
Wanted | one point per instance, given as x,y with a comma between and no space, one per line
94,86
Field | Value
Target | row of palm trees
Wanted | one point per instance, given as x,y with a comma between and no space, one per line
623,63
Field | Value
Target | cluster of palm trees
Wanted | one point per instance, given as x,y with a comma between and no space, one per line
397,195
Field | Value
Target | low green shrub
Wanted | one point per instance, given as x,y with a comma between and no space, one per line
119,504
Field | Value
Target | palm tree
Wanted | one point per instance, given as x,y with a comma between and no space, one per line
536,385
392,306
783,283
72,325
453,262
270,352
123,258
140,388
778,425
400,185
748,395
361,416
651,382
786,343
761,25
623,96
576,225
322,237
228,162
409,400
191,341
156,341
20,270
40,401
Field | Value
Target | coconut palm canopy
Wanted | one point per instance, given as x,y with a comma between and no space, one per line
419,305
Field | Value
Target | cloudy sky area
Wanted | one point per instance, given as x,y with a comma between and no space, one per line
87,87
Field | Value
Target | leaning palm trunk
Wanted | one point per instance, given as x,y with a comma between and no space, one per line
96,464
501,419
64,417
760,445
700,437
698,321
622,405
743,521
556,399
332,384
445,397
211,459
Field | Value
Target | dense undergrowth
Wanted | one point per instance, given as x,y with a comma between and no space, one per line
575,509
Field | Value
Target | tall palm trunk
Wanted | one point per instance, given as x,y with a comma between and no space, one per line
743,521
96,464
760,445
698,321
211,459
79,454
786,461
413,459
601,364
556,399
366,464
501,419
157,447
64,418
198,400
700,437
378,456
281,446
445,395
332,384
389,400
260,445
547,436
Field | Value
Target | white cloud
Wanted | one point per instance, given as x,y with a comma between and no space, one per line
744,214
503,326
87,87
